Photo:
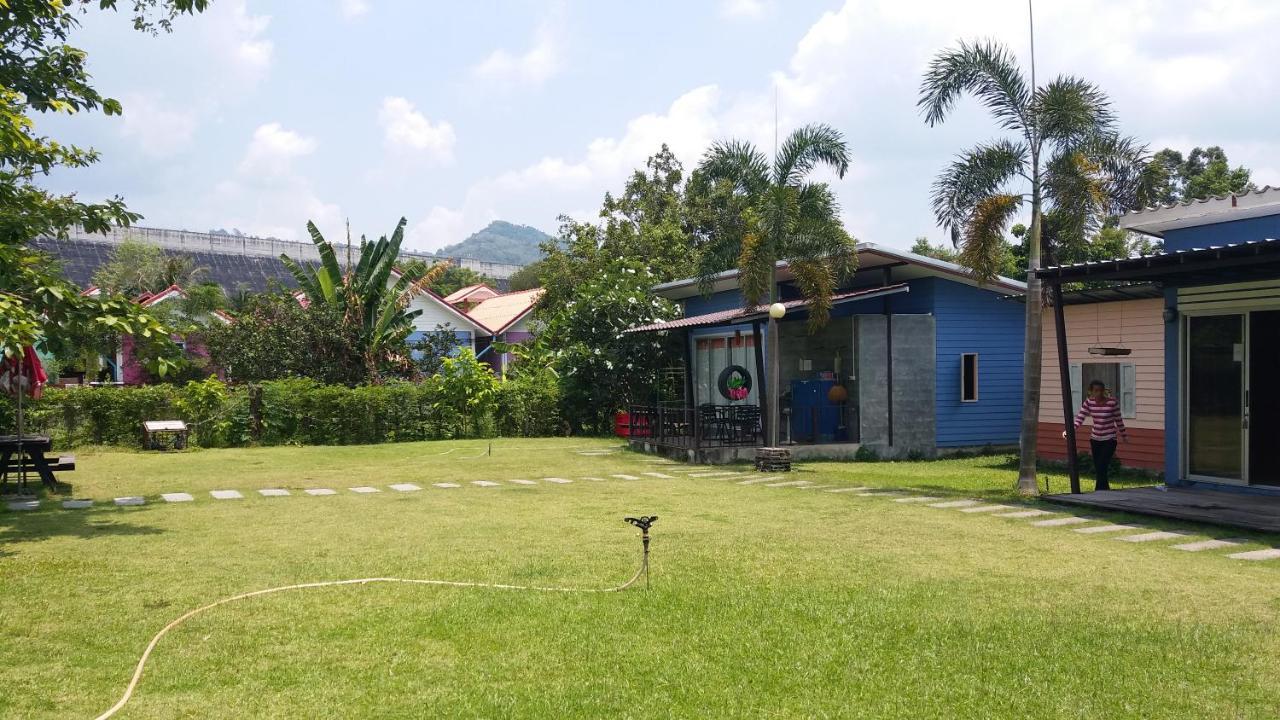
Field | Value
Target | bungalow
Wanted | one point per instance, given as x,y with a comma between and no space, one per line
508,318
917,359
1219,275
467,297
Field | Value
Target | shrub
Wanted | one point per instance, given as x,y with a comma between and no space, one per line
529,405
866,454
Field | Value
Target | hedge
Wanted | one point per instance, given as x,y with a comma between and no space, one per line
298,412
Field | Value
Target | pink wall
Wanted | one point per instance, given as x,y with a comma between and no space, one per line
132,371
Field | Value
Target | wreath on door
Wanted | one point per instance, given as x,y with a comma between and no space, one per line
734,383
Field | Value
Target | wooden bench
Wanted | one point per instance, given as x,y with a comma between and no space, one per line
32,457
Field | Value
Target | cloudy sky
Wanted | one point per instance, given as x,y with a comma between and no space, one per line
261,115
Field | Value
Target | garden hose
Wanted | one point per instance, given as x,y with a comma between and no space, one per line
142,661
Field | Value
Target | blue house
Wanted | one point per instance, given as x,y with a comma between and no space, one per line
1220,276
917,358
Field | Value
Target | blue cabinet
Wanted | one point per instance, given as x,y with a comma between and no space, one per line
814,418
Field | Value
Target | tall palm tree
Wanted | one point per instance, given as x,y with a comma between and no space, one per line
773,212
1062,155
364,294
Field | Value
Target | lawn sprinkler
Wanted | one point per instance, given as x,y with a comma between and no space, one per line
644,522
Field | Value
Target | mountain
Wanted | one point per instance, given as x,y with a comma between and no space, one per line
500,242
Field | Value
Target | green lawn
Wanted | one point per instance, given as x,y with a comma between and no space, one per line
766,602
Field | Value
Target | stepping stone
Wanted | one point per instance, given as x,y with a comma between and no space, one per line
558,481
1148,537
174,497
441,485
985,508
320,491
1206,545
789,483
24,505
954,504
523,482
1024,514
1268,554
662,476
1059,522
364,489
76,504
753,481
407,487
226,494
1105,529
273,492
625,477
880,493
848,489
918,498
592,479
131,500
713,474
484,483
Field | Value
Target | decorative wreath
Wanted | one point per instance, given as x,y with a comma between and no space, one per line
734,383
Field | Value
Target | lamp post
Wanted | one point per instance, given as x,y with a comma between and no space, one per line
776,312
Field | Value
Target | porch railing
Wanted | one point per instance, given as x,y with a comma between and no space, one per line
697,427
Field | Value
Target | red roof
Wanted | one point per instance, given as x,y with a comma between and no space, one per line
727,317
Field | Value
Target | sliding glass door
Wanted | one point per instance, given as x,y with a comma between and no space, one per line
1216,377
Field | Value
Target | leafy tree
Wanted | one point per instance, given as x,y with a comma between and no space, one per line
526,278
365,296
1204,173
430,352
137,267
456,277
1064,155
40,73
602,368
275,337
923,247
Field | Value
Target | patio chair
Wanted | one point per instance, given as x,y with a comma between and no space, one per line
746,423
714,426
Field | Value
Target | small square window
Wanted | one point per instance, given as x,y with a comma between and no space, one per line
969,377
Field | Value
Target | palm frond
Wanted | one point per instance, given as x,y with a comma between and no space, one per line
806,148
817,282
1071,108
973,177
305,277
329,275
987,70
739,163
983,245
755,270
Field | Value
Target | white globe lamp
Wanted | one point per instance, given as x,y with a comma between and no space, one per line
777,310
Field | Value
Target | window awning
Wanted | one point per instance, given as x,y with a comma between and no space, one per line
760,312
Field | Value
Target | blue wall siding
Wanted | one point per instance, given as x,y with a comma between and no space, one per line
462,339
1172,374
1259,228
699,305
973,320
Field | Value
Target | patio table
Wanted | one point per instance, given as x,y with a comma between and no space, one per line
33,457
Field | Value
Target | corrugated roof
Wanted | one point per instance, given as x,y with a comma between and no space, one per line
1253,255
471,292
502,311
1264,190
727,317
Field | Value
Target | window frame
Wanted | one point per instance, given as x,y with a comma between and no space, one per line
977,374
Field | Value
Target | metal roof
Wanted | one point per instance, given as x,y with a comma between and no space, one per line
757,312
1203,211
1218,263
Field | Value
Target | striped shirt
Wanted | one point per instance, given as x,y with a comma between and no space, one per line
1106,418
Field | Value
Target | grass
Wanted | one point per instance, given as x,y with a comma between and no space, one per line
766,602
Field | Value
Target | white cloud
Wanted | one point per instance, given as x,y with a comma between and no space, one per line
744,9
273,150
533,67
442,226
159,131
404,128
352,9
238,39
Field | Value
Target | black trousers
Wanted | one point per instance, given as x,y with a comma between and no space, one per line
1103,451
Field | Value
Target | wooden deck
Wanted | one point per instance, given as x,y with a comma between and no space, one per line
1246,511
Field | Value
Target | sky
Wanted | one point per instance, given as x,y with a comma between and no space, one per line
261,115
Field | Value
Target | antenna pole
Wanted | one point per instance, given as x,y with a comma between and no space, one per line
1031,22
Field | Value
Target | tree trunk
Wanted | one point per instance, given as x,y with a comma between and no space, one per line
1032,354
775,374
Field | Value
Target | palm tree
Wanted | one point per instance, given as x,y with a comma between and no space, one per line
772,212
1062,156
363,293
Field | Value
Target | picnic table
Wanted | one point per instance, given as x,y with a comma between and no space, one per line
34,449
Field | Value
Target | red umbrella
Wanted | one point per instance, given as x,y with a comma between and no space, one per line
24,374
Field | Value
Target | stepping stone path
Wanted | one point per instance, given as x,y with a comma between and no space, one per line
812,487
443,485
661,476
626,477
711,474
24,505
226,494
789,483
1148,537
954,504
1268,554
484,483
841,490
320,491
1059,522
880,493
407,487
273,492
592,479
76,504
985,508
558,481
1105,529
364,489
753,481
921,498
1025,514
523,482
174,497
1200,545
130,500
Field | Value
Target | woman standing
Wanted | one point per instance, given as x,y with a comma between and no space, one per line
1107,424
